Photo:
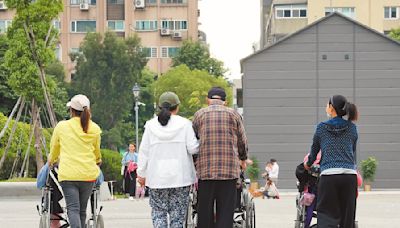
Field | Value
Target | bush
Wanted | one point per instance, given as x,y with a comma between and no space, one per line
253,170
111,168
368,169
19,143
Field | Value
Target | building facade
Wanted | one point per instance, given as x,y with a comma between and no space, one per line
162,25
287,85
288,16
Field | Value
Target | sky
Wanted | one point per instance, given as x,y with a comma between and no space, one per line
231,26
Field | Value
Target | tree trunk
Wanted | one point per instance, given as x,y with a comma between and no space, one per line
37,133
3,158
28,149
10,117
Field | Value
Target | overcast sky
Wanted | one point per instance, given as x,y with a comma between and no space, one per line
231,26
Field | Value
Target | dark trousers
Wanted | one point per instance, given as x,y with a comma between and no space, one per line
223,193
130,182
337,201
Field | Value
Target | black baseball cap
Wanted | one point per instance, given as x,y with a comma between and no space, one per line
217,93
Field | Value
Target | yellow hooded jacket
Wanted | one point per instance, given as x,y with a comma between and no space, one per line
78,152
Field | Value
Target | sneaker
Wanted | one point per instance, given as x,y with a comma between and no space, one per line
131,198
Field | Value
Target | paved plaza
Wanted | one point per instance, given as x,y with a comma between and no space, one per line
375,210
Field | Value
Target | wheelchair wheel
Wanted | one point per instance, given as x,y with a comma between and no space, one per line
44,221
100,221
250,215
298,224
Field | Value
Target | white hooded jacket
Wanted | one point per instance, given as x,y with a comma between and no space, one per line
165,153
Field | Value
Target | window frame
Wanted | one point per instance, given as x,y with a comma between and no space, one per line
75,27
340,10
153,52
290,8
78,2
171,24
115,22
152,28
7,24
168,50
390,13
173,2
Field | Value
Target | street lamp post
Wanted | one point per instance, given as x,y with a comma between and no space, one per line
136,93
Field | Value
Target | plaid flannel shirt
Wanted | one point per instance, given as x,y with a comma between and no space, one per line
223,142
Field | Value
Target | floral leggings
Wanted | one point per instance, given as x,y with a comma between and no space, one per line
172,201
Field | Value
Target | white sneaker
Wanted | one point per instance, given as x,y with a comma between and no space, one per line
131,198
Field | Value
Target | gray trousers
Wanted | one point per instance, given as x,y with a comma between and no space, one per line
77,194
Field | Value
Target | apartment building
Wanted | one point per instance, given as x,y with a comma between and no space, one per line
288,16
162,25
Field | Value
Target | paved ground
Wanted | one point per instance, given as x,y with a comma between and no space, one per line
375,210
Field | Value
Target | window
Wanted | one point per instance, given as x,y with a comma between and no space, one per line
83,26
151,1
118,26
291,11
115,2
174,25
174,1
391,13
146,25
347,11
169,52
77,2
57,24
4,25
151,52
57,52
74,51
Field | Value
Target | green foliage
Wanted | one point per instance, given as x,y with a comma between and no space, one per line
7,96
19,145
118,136
36,16
111,168
253,170
197,57
368,169
106,71
395,34
191,86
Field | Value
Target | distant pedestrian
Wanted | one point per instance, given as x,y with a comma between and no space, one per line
274,172
337,140
223,149
166,163
75,144
129,162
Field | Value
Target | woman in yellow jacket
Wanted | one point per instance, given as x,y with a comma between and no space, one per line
75,145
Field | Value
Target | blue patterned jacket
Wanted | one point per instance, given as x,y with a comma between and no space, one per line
337,140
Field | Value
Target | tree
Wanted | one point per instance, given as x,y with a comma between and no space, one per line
395,34
7,96
31,40
191,86
197,57
107,68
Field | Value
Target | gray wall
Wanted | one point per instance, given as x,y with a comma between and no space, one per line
287,86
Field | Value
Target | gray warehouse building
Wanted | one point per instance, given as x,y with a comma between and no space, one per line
286,87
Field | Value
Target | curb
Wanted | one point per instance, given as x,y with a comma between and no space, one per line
19,189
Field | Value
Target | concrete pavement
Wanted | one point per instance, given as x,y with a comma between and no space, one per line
375,210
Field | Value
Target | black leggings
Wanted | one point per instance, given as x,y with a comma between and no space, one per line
130,182
337,201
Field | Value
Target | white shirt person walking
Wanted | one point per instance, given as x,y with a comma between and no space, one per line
274,172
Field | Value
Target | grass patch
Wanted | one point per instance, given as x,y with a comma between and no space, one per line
20,180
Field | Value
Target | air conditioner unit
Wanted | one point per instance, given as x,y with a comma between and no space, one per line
165,32
177,35
139,4
84,6
3,5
